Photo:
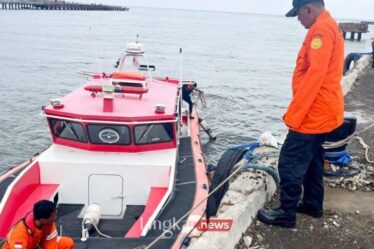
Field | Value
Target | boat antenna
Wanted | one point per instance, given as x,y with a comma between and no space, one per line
180,67
137,38
97,56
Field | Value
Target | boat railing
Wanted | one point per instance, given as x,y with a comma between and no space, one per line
109,121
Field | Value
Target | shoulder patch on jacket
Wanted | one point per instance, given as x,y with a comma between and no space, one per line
316,42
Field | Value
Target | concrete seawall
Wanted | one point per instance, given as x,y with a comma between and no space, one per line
246,195
355,73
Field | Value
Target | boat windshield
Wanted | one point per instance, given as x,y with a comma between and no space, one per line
112,134
153,133
68,130
109,134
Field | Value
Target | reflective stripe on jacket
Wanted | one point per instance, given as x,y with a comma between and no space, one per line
318,103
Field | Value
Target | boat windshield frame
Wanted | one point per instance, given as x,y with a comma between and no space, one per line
116,137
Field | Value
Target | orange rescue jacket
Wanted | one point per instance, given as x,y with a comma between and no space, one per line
24,235
318,103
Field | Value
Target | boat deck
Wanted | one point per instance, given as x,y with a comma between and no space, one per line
180,203
71,225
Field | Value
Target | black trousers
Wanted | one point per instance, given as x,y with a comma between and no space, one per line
301,165
186,97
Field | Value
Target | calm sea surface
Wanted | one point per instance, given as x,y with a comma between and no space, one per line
243,62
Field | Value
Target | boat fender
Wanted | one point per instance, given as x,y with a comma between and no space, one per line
222,171
211,168
90,220
352,57
204,125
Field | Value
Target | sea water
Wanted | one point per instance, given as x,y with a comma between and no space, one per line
243,62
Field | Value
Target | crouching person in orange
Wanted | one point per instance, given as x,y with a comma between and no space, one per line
37,230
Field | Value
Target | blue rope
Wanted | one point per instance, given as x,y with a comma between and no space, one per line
267,169
250,156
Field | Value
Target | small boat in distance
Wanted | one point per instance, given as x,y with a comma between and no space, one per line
125,167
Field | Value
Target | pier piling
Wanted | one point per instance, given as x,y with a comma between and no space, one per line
354,28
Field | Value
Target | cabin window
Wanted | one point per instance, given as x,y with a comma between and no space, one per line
153,133
68,130
109,134
129,84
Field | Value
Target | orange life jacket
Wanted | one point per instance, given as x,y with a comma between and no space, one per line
24,235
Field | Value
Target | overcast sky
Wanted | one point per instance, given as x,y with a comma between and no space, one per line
349,9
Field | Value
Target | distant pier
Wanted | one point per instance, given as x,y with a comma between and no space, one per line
368,22
354,28
56,5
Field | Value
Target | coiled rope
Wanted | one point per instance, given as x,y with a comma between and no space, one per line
95,227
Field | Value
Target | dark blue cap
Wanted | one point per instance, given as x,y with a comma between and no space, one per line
296,6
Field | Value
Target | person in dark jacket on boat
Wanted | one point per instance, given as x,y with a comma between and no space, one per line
317,108
187,89
37,230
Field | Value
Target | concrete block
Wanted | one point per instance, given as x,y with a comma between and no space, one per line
242,210
246,183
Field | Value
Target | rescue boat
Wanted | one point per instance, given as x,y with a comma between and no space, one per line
125,168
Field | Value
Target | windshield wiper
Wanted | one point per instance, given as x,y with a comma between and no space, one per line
145,132
72,130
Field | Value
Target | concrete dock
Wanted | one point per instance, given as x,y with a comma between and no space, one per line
368,22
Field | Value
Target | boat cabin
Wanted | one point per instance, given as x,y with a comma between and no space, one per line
127,111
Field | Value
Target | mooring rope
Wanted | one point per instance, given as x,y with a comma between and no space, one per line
366,148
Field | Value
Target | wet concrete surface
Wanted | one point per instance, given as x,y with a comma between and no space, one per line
348,202
360,101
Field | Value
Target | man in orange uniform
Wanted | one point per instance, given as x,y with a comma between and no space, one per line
316,109
37,230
